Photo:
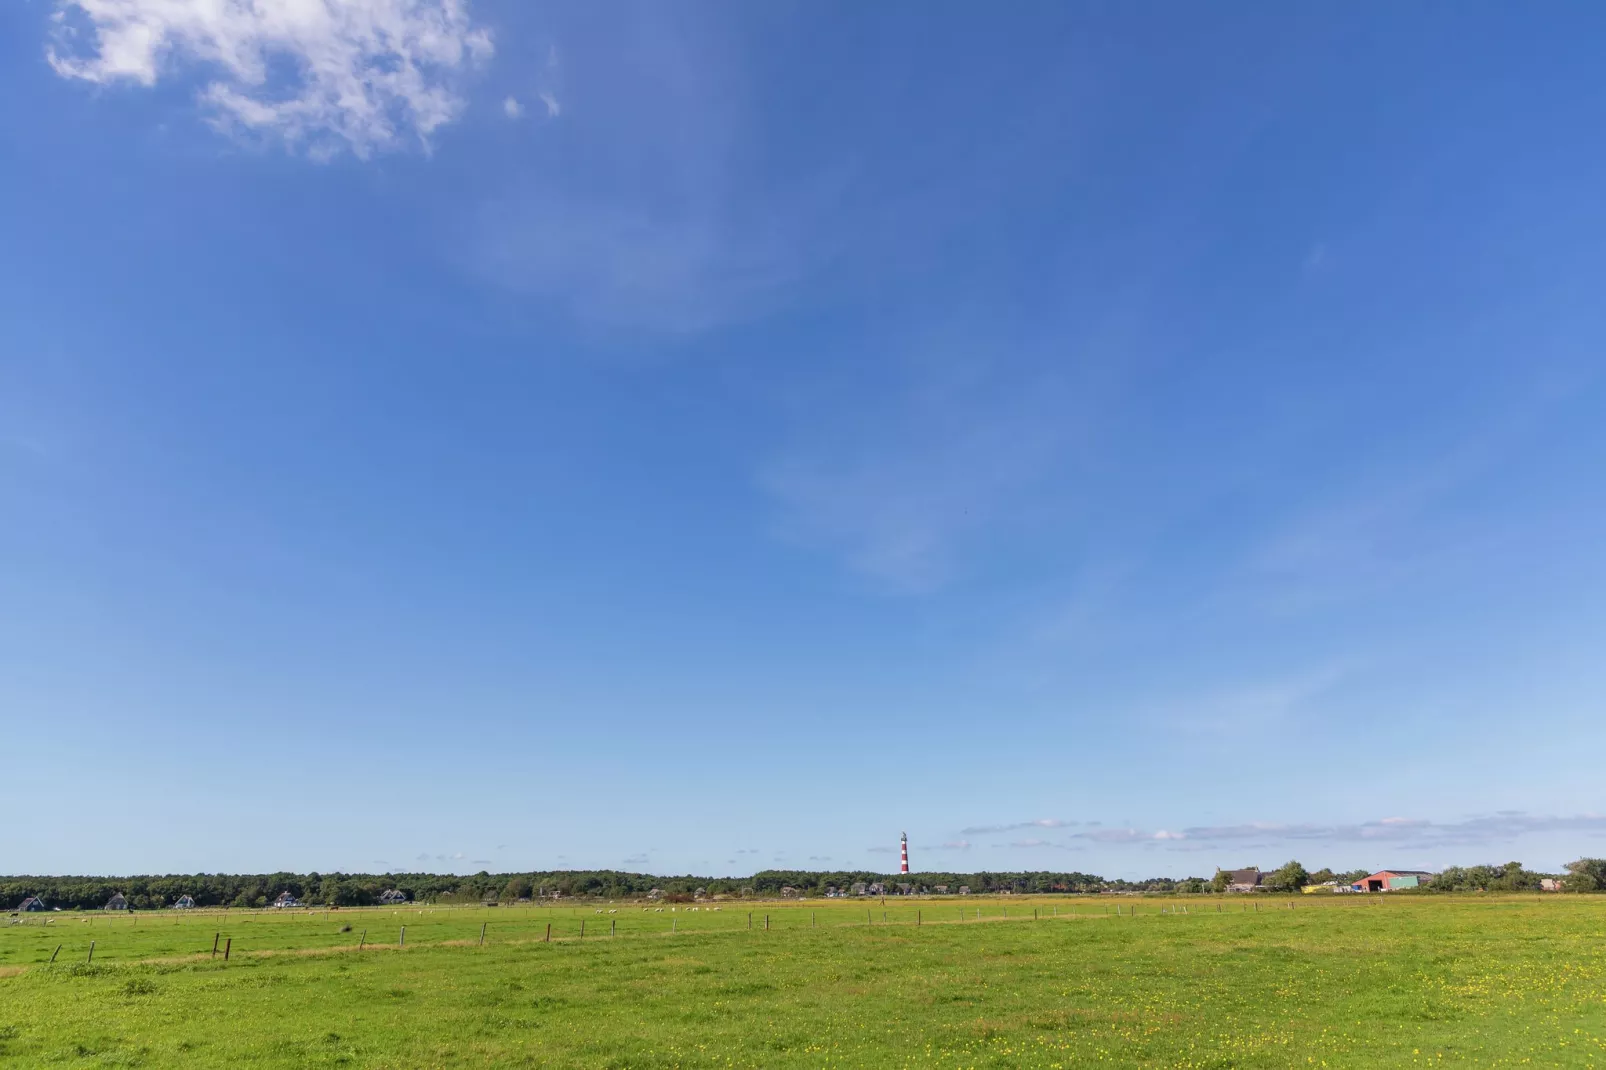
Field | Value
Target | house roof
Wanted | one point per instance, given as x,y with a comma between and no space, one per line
1245,876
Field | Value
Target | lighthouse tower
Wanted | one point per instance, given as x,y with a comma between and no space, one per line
903,850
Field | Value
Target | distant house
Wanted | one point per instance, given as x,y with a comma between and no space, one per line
391,897
1546,884
286,900
788,892
1392,880
117,902
964,889
876,888
700,893
33,902
1245,880
184,903
942,889
655,893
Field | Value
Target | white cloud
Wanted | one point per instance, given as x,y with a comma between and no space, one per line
512,108
319,75
553,108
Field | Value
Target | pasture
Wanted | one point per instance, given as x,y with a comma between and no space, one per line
1048,982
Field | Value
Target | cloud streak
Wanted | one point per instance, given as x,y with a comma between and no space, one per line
357,75
1040,823
1405,831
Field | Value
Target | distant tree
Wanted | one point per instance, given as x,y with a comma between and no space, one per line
1586,875
1289,877
1322,876
517,888
1219,882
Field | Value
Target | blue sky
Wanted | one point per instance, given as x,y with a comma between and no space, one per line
678,437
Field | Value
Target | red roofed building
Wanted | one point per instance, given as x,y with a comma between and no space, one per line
1392,880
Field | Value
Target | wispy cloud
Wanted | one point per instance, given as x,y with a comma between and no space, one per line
361,75
643,216
1408,831
635,860
1039,823
905,481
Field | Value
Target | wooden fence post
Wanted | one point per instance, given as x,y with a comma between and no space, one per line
54,953
228,945
549,932
482,934
403,937
215,937
363,940
91,952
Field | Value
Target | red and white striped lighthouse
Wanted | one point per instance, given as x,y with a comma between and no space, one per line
903,850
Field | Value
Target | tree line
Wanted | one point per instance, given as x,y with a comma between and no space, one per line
364,889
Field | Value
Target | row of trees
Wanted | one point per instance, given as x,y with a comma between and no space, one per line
363,889
1584,875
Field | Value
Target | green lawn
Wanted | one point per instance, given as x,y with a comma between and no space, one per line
1336,981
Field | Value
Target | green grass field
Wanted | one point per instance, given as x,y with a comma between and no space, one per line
1336,981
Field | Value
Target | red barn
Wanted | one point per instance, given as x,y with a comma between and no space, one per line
1392,880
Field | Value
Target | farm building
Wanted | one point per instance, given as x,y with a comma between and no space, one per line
117,902
184,903
1245,880
1546,884
33,902
1392,880
286,900
392,897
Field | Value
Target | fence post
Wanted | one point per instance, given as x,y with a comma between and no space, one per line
917,919
228,945
582,928
766,923
482,934
363,940
215,937
613,927
54,953
91,952
549,932
403,937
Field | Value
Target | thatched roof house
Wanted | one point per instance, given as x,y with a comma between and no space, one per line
117,902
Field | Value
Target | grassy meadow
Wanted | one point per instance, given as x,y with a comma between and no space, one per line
1051,982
